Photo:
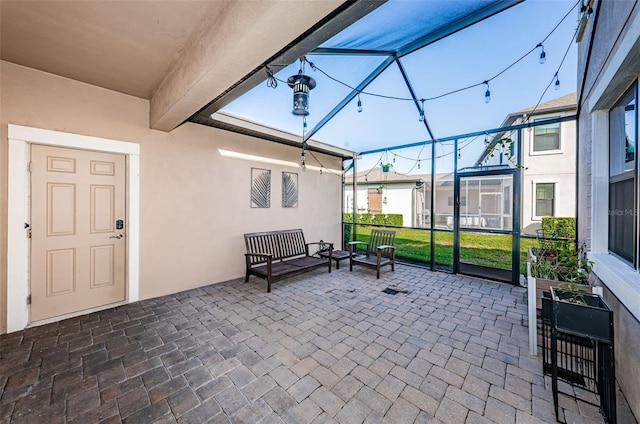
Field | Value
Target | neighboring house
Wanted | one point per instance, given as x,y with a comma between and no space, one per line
608,195
410,195
548,158
390,192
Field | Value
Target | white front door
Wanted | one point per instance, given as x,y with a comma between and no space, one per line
78,245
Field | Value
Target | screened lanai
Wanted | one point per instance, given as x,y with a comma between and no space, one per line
422,88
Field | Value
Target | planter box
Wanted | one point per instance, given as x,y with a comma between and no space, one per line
535,288
593,320
581,346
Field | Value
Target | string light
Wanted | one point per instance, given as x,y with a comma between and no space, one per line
301,106
272,80
543,55
555,76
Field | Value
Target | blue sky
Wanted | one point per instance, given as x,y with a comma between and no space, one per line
465,58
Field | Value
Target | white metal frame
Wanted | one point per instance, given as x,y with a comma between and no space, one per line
20,139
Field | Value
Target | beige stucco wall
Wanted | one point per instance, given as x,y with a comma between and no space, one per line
194,203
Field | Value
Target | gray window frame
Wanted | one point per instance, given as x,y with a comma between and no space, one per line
534,149
553,198
623,186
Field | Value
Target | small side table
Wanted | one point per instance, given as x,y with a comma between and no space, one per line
336,255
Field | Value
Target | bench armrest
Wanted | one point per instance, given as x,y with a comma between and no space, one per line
321,243
322,246
267,256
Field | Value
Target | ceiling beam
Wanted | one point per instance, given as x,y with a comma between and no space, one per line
229,45
351,52
350,12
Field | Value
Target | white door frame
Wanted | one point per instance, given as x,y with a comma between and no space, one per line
20,138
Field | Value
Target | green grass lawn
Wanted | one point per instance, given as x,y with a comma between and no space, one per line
493,250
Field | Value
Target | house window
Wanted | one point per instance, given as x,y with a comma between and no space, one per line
375,199
546,137
545,194
622,176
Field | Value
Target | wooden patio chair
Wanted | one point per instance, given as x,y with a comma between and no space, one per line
380,251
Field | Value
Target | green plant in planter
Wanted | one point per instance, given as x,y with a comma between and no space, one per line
576,295
564,262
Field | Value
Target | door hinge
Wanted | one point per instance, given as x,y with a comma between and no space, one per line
29,233
29,166
29,300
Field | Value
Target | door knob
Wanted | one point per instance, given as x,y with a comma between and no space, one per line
117,236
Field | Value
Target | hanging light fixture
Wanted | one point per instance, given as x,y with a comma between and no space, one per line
487,94
301,85
421,117
556,85
359,104
543,55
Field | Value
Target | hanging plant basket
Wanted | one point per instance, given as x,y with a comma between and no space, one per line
386,167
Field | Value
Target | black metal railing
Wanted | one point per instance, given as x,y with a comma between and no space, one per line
579,361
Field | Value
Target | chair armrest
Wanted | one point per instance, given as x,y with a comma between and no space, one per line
385,246
353,247
358,242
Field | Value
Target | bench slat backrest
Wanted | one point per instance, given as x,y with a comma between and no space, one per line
266,243
292,243
381,238
281,244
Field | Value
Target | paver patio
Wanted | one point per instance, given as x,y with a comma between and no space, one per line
319,348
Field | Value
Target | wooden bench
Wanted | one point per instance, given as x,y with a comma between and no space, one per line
275,255
380,251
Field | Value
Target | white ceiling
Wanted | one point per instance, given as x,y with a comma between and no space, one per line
179,54
126,46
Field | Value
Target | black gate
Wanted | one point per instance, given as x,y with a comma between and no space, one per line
486,224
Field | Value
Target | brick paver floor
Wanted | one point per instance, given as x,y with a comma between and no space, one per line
320,348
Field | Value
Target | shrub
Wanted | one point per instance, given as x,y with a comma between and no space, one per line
346,234
554,227
394,219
